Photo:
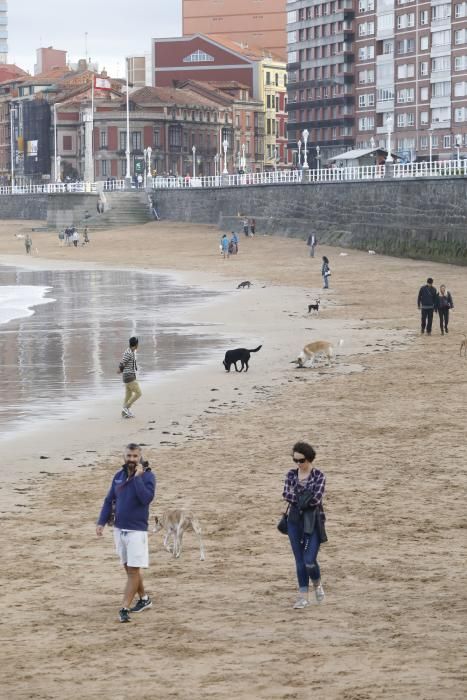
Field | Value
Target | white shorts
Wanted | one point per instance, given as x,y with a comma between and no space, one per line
132,547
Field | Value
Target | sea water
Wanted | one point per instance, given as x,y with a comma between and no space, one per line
17,301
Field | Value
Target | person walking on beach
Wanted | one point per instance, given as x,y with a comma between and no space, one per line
86,236
225,246
325,272
131,492
444,303
75,237
427,303
304,490
252,226
311,241
233,245
245,227
128,369
28,244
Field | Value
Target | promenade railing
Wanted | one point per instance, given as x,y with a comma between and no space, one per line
435,169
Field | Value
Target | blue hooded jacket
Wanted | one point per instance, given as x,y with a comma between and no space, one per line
131,497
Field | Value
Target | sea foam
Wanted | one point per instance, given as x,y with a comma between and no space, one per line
18,301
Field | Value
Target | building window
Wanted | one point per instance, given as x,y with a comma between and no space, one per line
123,168
406,46
405,70
441,38
459,114
424,43
441,12
441,114
423,17
406,21
103,139
460,63
460,89
441,63
424,118
136,140
366,123
442,89
67,143
424,94
406,95
366,53
447,141
460,9
268,77
423,143
156,138
386,22
123,140
104,168
385,95
424,68
459,36
198,57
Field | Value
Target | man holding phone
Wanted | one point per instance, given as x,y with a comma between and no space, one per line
131,492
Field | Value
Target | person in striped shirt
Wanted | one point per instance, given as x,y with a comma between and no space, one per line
128,369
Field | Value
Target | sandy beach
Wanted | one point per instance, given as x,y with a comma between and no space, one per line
388,424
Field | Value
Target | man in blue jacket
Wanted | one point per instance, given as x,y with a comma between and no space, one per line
128,499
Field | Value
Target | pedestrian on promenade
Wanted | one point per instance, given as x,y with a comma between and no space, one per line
427,301
86,236
304,490
233,245
444,304
75,237
325,272
225,246
311,241
28,244
132,490
128,369
245,227
253,226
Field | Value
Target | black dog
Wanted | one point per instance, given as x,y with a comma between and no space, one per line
242,285
314,307
240,355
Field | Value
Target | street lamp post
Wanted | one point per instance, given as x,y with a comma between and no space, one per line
127,149
56,158
305,135
431,146
389,123
317,156
216,165
458,145
193,150
243,157
225,145
275,158
299,144
12,143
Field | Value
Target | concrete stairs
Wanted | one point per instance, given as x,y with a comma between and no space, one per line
121,209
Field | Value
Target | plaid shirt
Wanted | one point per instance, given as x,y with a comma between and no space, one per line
315,483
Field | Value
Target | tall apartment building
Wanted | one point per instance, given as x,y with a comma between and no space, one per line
3,31
49,58
140,70
406,67
256,23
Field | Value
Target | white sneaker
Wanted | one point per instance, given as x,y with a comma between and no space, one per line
126,413
319,593
130,414
300,603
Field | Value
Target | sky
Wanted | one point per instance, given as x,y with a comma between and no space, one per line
116,28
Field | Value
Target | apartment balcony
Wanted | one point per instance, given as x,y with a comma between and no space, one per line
384,106
384,58
440,101
440,76
441,125
385,33
437,24
444,50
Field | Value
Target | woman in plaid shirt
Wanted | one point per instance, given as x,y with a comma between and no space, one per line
304,491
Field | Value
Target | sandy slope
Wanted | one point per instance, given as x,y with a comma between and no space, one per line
391,439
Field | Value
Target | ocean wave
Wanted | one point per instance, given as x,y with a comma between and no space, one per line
19,301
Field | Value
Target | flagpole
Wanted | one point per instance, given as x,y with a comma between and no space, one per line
92,124
128,174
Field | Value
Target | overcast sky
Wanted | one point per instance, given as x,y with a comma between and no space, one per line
116,28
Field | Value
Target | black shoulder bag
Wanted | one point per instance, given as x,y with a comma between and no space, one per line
282,525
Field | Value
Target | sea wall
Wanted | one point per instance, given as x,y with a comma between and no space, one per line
418,217
20,206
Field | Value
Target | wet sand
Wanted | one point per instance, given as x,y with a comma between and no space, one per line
388,423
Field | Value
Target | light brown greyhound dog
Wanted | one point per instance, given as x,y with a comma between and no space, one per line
463,346
175,523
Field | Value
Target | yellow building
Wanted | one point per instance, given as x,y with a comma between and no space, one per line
273,94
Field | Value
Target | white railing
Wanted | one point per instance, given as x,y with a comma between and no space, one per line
443,168
437,168
51,188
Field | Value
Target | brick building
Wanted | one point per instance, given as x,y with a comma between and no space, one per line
259,23
357,67
221,61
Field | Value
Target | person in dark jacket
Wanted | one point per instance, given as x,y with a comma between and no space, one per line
444,303
325,272
304,490
130,494
427,302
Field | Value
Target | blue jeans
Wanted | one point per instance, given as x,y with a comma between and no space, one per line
325,281
305,549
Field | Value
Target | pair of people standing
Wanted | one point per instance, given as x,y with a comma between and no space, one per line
429,301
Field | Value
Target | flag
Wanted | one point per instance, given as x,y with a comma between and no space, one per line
102,83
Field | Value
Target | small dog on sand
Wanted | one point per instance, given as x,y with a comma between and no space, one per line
175,523
244,285
239,355
314,307
372,252
463,347
312,350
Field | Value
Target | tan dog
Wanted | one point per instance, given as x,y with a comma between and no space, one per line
175,522
463,346
312,350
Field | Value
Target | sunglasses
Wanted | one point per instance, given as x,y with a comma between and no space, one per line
299,461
